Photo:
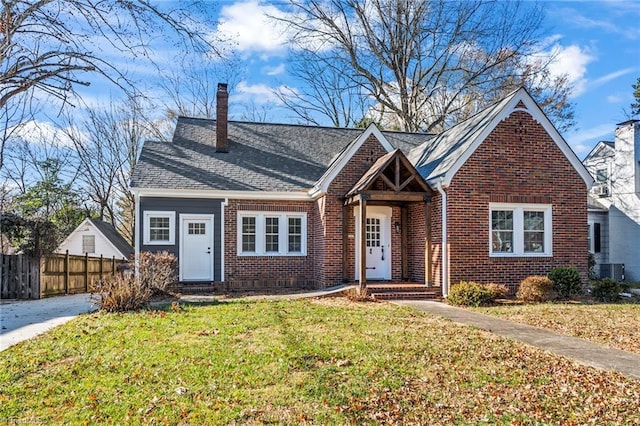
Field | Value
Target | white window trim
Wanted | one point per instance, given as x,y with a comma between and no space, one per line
590,236
518,229
148,214
283,233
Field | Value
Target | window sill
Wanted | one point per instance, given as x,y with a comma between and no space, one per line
272,254
158,243
518,255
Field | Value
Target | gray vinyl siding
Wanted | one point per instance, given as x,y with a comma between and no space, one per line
185,206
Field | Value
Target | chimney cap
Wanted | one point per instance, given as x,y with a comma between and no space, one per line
222,87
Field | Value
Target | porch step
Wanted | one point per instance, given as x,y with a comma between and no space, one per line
406,296
194,288
404,292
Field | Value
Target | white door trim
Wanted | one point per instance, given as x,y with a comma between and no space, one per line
386,212
188,216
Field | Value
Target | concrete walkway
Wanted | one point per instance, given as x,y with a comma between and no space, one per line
23,319
580,350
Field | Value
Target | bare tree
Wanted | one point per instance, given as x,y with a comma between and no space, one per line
107,142
423,63
326,92
51,45
49,48
12,114
190,90
31,148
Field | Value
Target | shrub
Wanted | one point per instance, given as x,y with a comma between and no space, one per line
566,281
120,293
354,294
606,290
157,271
498,291
468,293
535,288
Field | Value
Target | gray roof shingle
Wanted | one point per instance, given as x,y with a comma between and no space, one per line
261,157
110,233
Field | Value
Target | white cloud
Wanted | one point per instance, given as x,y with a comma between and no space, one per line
609,24
249,25
277,70
614,99
42,132
584,140
571,61
609,77
256,93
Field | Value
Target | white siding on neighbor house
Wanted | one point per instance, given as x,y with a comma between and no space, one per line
624,234
73,243
624,212
622,162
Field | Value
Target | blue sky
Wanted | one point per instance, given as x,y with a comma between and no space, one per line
597,43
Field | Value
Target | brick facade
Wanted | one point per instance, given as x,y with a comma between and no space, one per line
333,215
517,163
259,272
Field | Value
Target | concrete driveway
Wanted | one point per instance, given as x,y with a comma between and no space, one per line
24,319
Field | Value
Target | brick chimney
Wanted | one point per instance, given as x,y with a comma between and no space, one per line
222,111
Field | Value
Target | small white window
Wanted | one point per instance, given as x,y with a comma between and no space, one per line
88,244
602,176
295,235
159,227
520,230
248,234
272,234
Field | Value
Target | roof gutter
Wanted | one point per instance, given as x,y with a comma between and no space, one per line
442,189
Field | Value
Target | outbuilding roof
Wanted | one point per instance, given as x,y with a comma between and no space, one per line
111,233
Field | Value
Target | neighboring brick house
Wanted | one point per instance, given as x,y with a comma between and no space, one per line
614,203
255,205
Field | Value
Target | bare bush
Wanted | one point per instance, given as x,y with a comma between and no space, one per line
120,293
157,271
498,291
359,295
535,288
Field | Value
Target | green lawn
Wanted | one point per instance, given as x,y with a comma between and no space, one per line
614,325
294,362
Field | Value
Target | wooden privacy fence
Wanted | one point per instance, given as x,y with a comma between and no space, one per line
53,275
20,277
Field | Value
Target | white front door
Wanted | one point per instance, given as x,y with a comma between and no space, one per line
196,248
377,242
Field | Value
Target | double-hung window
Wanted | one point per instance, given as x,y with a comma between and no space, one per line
520,230
248,232
159,227
272,234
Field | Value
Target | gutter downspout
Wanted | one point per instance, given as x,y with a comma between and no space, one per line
136,233
442,189
224,204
